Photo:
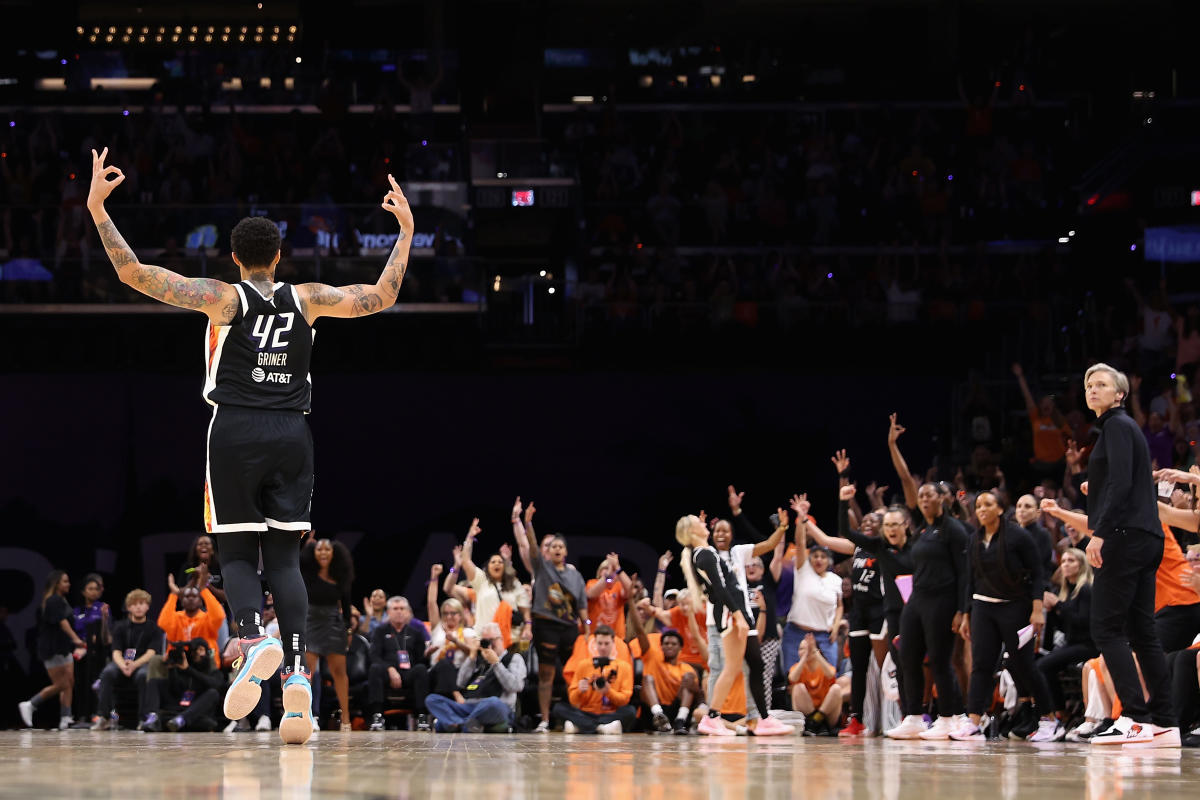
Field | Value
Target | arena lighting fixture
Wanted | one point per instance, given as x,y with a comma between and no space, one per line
550,290
542,274
1064,240
291,29
1070,233
583,98
178,29
79,30
749,78
158,37
299,59
274,37
112,29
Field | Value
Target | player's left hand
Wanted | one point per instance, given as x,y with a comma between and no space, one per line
396,203
101,186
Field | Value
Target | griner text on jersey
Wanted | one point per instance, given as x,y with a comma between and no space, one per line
272,359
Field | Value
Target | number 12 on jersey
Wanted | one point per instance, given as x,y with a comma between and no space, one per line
262,330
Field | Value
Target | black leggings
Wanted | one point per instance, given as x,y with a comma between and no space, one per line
925,628
893,630
994,629
1185,690
1053,663
754,661
281,567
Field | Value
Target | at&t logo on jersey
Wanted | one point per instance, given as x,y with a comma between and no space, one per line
270,377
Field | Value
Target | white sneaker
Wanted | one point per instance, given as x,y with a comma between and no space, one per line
544,727
231,727
911,727
568,727
1162,738
939,730
610,728
65,723
26,709
1082,732
970,732
1047,730
1124,731
263,724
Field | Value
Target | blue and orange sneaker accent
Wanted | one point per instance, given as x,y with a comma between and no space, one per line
296,726
260,659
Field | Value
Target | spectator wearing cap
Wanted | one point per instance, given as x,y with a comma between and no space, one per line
489,680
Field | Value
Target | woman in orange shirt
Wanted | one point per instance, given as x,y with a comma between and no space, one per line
814,689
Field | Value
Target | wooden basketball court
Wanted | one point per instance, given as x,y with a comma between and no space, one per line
513,767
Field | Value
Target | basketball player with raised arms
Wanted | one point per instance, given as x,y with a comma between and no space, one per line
259,473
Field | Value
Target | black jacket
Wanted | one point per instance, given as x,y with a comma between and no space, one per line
387,642
1120,484
1007,568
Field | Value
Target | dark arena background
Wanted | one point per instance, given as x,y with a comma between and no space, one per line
660,248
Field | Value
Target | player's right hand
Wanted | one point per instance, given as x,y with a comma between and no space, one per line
101,186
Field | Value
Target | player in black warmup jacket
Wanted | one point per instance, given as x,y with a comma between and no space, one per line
887,556
259,476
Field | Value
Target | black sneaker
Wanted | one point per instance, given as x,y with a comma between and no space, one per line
661,723
423,722
151,724
377,723
680,728
175,724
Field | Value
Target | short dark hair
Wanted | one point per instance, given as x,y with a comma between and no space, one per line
605,630
674,634
255,241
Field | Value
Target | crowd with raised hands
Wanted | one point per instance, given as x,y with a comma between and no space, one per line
943,610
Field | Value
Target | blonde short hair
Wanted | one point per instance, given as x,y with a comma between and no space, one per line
137,596
1120,381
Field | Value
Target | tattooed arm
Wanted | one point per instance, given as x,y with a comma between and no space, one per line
359,299
215,298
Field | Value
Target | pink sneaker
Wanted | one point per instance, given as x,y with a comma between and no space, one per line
769,726
713,726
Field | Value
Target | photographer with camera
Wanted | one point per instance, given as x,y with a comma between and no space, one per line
489,680
188,697
600,692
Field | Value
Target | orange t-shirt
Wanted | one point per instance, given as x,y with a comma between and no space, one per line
667,677
735,701
692,652
608,608
585,650
817,681
593,702
1049,440
1169,588
179,627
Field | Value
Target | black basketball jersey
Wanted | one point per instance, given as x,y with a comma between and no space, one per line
261,359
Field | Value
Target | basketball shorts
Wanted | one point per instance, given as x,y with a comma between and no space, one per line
259,471
867,619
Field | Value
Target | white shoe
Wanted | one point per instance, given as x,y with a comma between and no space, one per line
568,727
231,727
65,723
610,728
1162,738
544,727
26,709
911,727
1082,732
263,724
968,731
1047,731
1124,731
316,725
939,730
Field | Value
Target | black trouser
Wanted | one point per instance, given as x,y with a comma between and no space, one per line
1053,663
1123,623
414,684
1177,626
587,723
243,589
860,662
1185,689
754,661
925,628
203,705
893,630
994,628
111,677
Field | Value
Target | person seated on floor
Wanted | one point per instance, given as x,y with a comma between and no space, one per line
135,641
669,686
489,681
599,691
397,662
814,689
189,696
